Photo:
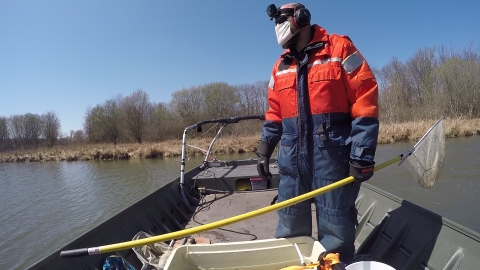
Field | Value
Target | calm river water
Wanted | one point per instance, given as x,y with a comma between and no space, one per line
46,205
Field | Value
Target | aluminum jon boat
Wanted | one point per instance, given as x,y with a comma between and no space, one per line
229,194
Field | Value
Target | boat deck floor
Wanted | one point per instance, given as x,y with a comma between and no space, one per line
216,207
233,172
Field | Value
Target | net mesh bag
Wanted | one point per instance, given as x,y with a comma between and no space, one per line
153,256
425,161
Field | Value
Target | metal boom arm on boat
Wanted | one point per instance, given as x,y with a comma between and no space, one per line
424,161
198,127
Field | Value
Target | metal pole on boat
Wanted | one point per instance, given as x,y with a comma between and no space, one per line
209,151
182,166
198,126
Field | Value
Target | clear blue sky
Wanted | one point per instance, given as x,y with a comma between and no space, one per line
67,55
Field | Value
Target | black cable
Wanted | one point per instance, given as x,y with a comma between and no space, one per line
232,231
201,207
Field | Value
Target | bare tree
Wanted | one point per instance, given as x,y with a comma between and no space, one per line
419,72
93,125
70,138
160,122
111,119
187,105
51,130
219,100
433,82
103,123
33,128
136,108
17,130
79,136
4,136
252,100
459,80
259,93
247,99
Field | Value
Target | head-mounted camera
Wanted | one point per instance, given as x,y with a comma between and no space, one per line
280,15
272,11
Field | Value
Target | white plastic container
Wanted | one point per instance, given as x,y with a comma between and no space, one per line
369,265
246,255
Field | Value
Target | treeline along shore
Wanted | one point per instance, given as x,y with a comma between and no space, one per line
413,94
230,144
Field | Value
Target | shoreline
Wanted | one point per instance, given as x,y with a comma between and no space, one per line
389,133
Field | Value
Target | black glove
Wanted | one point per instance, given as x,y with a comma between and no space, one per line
264,152
361,170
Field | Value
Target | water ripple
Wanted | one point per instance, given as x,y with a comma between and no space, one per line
46,205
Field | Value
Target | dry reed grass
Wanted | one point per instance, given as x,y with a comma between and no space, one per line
413,131
389,133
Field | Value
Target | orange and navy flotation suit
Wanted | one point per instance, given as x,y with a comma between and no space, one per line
323,112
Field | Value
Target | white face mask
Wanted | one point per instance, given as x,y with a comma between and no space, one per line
283,32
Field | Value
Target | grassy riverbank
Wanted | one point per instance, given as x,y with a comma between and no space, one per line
389,133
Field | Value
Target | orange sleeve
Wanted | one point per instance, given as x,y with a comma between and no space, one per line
362,88
273,113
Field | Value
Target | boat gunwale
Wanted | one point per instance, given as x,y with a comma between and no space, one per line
424,211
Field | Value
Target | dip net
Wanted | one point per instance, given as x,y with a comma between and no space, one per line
425,160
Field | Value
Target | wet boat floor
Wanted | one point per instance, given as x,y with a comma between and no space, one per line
217,207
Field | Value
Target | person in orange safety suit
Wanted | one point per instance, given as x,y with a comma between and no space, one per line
323,110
